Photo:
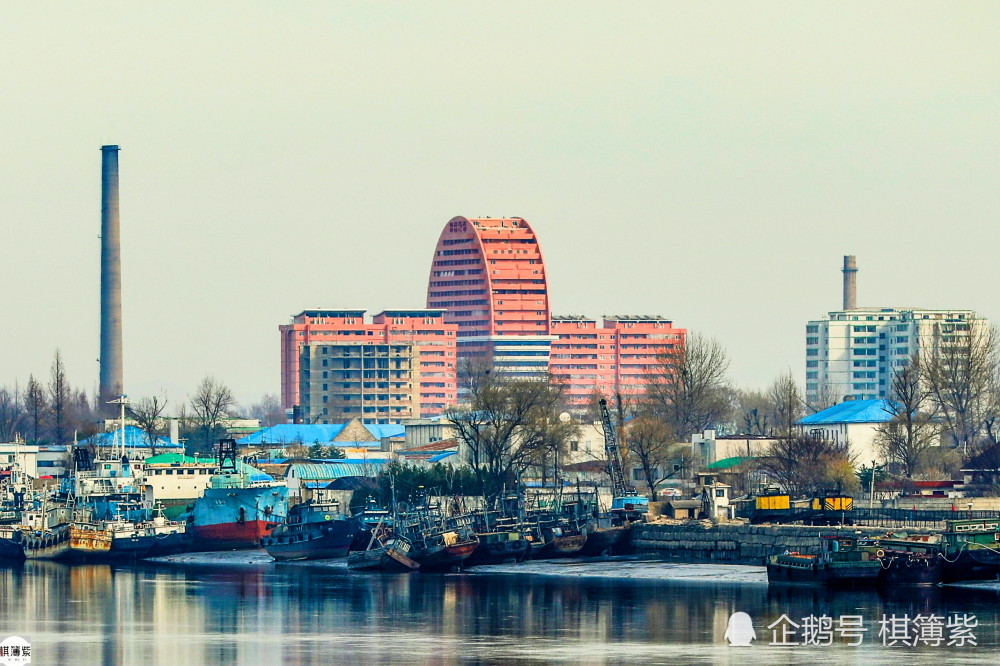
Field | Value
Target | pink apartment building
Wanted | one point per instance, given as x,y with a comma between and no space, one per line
489,276
614,355
336,365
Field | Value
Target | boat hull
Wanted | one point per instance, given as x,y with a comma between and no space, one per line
444,558
904,569
605,541
515,550
971,565
311,541
248,534
382,558
862,574
561,546
229,518
11,550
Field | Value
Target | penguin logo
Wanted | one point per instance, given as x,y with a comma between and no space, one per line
740,631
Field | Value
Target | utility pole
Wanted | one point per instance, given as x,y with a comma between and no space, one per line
871,495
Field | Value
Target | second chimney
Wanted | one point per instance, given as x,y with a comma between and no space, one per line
850,283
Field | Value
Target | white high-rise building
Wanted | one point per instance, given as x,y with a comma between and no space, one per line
854,353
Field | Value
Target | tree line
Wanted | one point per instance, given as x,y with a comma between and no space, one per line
948,392
54,411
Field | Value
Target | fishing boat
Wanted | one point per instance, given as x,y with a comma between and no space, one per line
43,532
840,562
605,539
499,548
386,551
55,533
559,531
971,549
438,542
313,530
14,488
498,527
109,495
240,508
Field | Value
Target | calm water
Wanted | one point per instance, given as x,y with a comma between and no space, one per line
180,615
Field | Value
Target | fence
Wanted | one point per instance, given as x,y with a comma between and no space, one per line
880,517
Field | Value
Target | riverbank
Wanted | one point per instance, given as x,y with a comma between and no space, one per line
617,568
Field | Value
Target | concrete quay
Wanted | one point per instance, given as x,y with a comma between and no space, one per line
736,542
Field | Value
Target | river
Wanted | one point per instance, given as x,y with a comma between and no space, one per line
240,610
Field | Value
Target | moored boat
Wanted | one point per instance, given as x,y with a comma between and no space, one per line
840,562
240,508
906,559
438,542
560,545
499,548
389,553
313,530
605,540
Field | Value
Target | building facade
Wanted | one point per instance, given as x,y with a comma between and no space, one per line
852,354
616,355
336,365
488,275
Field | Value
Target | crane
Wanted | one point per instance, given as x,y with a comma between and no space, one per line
616,469
626,504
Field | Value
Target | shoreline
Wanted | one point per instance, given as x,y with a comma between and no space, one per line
627,567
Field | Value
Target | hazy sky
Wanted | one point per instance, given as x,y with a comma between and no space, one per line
710,162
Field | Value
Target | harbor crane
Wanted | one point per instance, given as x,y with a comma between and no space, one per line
626,504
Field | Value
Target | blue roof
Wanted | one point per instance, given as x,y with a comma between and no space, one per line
316,433
853,411
441,456
327,471
135,438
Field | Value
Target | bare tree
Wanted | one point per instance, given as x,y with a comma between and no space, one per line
268,410
912,431
689,390
36,408
12,414
785,404
752,414
59,400
86,414
960,371
509,425
146,413
823,399
210,401
650,448
804,464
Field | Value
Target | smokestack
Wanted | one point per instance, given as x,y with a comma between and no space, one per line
850,283
111,384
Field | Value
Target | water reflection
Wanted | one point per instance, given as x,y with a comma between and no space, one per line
306,615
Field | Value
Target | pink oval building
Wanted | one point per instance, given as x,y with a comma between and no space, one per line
489,276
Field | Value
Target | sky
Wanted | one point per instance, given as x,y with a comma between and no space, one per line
709,162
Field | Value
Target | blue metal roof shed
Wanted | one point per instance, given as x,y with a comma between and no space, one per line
853,411
135,438
316,433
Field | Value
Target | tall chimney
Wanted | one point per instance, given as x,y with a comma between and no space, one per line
850,283
111,282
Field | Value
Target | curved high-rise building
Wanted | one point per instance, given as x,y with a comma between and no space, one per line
489,276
